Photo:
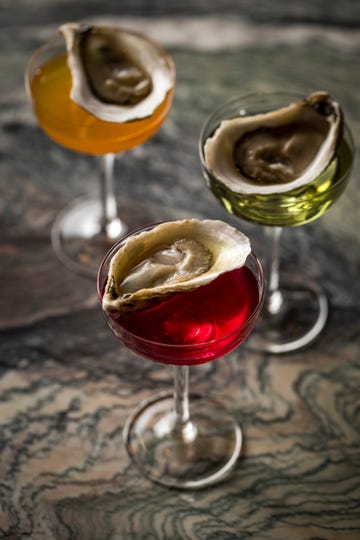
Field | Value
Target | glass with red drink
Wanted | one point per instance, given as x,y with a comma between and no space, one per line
175,439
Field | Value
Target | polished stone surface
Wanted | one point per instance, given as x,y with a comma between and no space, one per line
67,385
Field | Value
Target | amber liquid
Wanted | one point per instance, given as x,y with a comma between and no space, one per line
73,127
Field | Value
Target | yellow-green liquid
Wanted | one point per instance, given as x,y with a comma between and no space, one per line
293,207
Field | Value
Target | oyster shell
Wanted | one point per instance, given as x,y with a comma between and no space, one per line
117,75
173,256
276,151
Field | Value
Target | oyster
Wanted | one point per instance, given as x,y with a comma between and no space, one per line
173,256
117,75
276,151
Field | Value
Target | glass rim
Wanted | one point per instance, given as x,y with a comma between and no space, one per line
260,279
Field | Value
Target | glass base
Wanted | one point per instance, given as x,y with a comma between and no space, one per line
302,312
77,236
201,454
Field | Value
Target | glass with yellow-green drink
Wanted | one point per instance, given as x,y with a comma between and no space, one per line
280,160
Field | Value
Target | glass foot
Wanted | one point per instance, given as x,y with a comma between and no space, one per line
203,453
295,322
78,239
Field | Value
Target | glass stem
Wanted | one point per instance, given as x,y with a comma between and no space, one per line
183,427
273,299
111,225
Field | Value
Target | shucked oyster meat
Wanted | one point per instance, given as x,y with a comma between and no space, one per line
276,151
117,75
172,257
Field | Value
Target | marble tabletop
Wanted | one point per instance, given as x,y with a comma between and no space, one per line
66,384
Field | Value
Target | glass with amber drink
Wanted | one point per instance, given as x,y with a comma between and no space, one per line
280,160
99,90
182,293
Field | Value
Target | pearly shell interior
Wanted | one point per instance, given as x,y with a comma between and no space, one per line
172,257
276,151
117,75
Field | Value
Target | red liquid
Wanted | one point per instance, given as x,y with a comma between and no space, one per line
198,317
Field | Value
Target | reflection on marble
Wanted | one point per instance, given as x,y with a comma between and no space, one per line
67,386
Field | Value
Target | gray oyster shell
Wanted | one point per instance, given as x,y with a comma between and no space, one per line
116,75
173,256
276,151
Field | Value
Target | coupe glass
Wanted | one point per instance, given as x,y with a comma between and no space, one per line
295,308
176,439
84,231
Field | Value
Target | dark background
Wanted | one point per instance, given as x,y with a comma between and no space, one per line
340,13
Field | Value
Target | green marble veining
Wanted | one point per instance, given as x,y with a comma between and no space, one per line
67,386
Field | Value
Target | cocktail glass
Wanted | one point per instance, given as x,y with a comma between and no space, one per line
84,231
174,438
295,308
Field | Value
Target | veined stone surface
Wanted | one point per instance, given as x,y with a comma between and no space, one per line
67,386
